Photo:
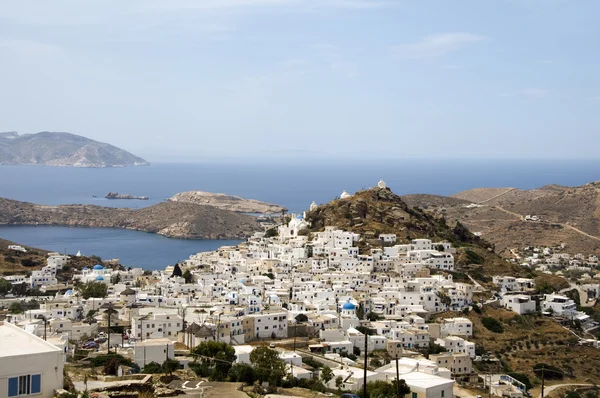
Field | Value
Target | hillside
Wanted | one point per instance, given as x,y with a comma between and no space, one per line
375,211
379,211
569,215
16,262
62,149
171,219
426,201
529,340
227,202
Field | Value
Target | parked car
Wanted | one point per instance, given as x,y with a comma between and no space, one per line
100,340
349,395
90,345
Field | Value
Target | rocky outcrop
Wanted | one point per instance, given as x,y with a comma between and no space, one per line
227,202
62,149
171,219
116,195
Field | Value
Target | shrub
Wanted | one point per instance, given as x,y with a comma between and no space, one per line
493,325
152,368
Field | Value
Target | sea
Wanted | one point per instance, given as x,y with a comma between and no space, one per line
293,184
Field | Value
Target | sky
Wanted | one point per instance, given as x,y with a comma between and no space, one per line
186,80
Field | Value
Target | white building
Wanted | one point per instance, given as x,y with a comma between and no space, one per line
157,350
29,366
519,303
156,326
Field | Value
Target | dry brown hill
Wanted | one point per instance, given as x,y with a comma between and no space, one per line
568,215
172,219
426,201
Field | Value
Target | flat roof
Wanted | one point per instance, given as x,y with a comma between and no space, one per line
14,341
424,380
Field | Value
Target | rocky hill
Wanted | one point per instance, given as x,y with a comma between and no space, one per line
379,211
375,211
62,149
227,202
171,219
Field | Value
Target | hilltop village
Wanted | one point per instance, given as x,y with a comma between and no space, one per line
320,301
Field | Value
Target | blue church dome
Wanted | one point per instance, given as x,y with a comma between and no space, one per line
348,306
98,267
299,216
86,269
99,278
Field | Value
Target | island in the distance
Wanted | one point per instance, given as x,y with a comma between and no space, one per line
116,195
63,150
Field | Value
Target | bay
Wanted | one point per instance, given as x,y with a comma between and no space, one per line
133,248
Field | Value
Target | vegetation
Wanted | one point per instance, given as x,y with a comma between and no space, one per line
213,359
493,325
267,365
93,289
5,287
177,271
326,374
271,232
380,388
152,368
187,275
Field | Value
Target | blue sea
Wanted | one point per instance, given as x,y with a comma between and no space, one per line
294,184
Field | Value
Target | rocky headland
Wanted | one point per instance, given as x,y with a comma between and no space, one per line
227,202
170,219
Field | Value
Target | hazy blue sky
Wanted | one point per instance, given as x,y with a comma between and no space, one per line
186,79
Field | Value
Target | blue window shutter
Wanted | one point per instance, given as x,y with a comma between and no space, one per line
36,384
13,386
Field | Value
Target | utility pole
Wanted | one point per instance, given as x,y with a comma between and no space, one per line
365,365
397,378
542,396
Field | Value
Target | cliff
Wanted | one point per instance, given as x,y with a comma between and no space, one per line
227,202
62,149
171,219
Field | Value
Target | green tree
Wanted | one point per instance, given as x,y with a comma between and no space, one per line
213,359
326,374
170,365
403,389
5,287
271,232
360,311
152,368
187,275
241,372
380,389
339,382
115,278
177,271
93,289
20,289
15,308
267,365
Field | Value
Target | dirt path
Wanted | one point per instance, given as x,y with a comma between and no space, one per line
522,218
496,196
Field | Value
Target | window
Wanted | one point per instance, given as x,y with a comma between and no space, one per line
443,393
24,385
414,395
